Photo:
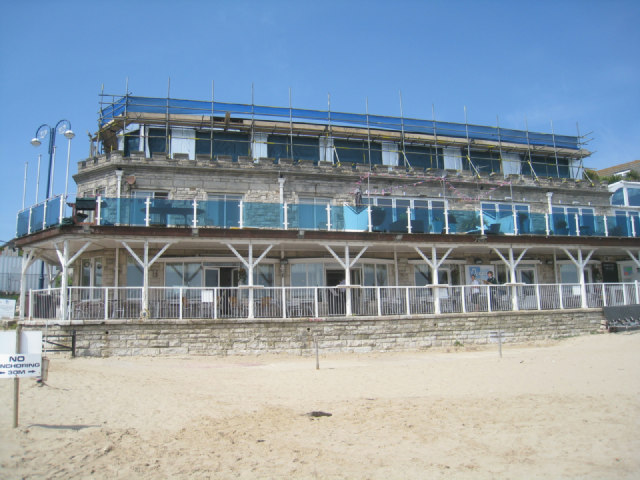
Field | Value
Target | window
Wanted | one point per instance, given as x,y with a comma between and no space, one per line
421,275
307,274
131,142
357,151
546,166
156,141
91,276
484,161
627,222
422,157
232,144
375,275
618,197
183,275
135,274
304,148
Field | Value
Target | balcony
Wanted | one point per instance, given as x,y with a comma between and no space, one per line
148,212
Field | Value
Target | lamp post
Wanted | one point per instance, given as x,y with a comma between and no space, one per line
63,127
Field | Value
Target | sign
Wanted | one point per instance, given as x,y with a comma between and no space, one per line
18,365
27,362
7,308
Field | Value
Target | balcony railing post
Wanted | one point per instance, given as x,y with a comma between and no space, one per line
546,224
560,296
446,218
489,293
409,219
106,303
328,208
285,215
315,302
369,226
515,221
463,299
195,213
378,301
98,210
408,301
577,222
481,221
44,215
606,227
62,201
538,302
147,218
180,303
241,207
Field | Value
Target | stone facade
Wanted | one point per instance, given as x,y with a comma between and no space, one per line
333,336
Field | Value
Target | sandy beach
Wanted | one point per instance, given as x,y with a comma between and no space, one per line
568,409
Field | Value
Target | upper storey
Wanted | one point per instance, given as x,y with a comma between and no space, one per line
191,129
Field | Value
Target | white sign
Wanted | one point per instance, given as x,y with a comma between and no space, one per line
7,308
18,365
27,362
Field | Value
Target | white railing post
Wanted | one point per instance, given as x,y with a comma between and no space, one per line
283,291
637,291
481,221
577,222
285,215
369,226
195,214
407,297
515,221
546,224
147,218
241,205
180,303
315,302
408,219
489,293
215,303
44,216
30,304
560,296
538,302
378,300
62,201
99,210
106,303
606,227
633,227
463,299
446,218
328,217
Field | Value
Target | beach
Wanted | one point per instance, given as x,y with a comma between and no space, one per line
562,409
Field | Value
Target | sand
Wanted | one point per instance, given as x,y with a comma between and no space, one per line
569,409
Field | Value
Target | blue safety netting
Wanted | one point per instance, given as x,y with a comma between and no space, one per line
170,106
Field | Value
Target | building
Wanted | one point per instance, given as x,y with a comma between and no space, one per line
620,170
203,211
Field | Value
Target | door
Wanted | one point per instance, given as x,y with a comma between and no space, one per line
610,272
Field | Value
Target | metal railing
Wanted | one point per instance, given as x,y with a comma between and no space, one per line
110,303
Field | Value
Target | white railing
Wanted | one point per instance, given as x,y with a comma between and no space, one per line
106,303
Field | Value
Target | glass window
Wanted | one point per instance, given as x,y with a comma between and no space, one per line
135,274
157,140
633,195
424,157
618,197
422,275
231,144
263,275
357,151
131,142
375,275
223,210
304,148
306,275
485,162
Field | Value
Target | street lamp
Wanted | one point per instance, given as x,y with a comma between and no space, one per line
63,127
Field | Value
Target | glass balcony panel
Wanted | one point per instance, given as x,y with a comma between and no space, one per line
53,212
262,215
37,216
354,219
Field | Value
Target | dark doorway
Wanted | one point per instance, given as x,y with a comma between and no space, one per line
610,273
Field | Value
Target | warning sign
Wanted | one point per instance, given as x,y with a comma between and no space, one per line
17,365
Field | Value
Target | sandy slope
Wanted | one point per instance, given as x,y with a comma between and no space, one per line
566,410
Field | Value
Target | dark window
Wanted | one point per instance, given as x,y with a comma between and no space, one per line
157,140
423,157
304,148
357,151
131,142
546,166
203,143
484,161
233,144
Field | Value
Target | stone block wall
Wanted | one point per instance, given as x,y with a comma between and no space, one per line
333,335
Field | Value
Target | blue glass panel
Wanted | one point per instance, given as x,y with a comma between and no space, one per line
587,224
355,219
53,212
306,216
23,223
598,226
262,215
538,223
466,221
220,213
37,216
559,224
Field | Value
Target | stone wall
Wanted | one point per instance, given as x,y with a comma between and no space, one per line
333,335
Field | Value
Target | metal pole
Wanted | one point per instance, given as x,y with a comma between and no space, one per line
24,186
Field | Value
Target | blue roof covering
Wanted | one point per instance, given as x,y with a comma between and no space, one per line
172,106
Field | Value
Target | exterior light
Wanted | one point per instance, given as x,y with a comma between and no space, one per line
35,142
69,134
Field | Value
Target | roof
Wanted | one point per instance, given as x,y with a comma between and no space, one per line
605,172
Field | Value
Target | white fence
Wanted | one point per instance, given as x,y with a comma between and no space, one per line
108,303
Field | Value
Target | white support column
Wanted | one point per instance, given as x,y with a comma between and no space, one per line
28,258
145,264
250,265
434,264
347,264
580,263
65,263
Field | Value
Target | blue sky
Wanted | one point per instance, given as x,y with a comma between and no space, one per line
519,63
